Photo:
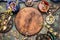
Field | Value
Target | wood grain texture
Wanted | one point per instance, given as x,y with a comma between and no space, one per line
29,21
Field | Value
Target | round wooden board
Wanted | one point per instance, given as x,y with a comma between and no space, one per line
29,21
